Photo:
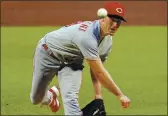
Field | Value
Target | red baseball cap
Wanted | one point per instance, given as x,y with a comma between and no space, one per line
115,9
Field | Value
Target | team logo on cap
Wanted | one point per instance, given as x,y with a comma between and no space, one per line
119,10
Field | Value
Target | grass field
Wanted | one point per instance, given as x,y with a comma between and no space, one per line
138,64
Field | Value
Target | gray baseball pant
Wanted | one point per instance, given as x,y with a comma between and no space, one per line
45,68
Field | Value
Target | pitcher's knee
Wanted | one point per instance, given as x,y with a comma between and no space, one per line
36,99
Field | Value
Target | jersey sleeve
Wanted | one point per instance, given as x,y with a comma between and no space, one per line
88,46
103,57
105,48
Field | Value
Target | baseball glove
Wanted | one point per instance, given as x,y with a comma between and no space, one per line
94,108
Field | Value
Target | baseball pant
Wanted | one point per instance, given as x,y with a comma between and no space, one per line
45,68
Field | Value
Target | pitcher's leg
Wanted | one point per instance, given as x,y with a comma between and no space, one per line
42,76
40,84
70,82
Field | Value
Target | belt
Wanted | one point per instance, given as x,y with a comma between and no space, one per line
49,51
73,66
62,65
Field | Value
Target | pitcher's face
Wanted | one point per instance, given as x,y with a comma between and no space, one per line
110,26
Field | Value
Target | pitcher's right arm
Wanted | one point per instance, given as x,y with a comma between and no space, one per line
106,80
103,76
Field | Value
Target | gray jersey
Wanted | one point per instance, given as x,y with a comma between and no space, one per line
75,42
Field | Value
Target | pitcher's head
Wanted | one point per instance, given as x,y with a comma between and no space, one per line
115,16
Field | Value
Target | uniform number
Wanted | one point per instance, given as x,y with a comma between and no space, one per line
83,27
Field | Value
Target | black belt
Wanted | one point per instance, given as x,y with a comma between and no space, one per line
49,51
62,65
74,66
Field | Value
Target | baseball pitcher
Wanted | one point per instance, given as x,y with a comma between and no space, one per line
61,53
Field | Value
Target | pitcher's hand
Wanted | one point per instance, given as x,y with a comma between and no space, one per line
125,101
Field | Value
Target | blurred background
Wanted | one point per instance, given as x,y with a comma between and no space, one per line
17,13
137,63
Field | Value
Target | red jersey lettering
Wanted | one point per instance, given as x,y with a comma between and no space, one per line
83,27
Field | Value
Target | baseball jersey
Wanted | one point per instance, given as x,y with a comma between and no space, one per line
73,43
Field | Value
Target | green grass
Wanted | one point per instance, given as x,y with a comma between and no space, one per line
138,64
